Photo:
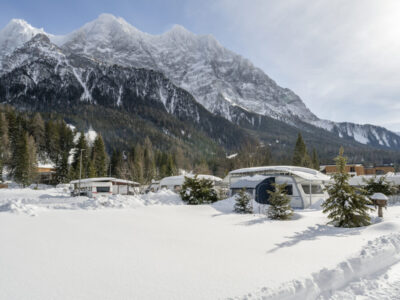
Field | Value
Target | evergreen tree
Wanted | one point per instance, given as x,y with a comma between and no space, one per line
32,159
279,208
91,169
198,191
80,160
346,205
38,132
149,166
4,144
66,144
137,163
300,152
99,157
13,130
379,185
169,166
116,163
26,163
243,203
315,159
62,170
307,161
52,141
20,172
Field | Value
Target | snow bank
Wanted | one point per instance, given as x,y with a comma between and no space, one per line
163,197
17,207
29,200
378,255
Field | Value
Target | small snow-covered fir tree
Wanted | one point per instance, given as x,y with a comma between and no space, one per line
279,201
198,191
243,203
346,205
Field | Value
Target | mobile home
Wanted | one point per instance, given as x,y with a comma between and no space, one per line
92,187
305,186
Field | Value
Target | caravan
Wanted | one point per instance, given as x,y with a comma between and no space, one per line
92,187
304,186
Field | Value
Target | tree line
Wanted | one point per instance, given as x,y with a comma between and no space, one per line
27,139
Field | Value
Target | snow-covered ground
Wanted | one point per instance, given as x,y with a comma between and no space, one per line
53,246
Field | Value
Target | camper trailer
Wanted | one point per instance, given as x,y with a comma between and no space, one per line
174,183
92,187
304,186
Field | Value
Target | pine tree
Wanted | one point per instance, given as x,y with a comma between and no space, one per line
149,166
170,166
198,191
315,159
4,143
300,152
52,141
346,205
26,162
20,171
62,170
81,152
138,164
32,159
379,185
307,161
243,204
91,171
279,208
116,163
66,144
38,132
99,157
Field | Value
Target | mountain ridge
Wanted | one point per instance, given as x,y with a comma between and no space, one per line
218,79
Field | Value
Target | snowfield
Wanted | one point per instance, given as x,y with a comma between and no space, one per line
54,246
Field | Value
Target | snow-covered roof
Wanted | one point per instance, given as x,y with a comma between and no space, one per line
248,182
104,179
179,180
305,173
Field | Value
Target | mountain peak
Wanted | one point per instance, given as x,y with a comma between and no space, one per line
179,29
15,34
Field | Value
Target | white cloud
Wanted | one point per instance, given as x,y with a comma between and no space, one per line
342,57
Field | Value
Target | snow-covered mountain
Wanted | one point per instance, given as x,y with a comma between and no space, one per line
41,76
218,79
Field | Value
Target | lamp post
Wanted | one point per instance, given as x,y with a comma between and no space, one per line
80,171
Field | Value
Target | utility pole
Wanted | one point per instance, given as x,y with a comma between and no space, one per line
80,171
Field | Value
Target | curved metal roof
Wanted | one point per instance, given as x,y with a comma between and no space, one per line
305,173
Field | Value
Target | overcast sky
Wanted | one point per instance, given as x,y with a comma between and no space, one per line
342,57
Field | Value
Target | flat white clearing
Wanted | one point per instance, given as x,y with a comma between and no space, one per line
154,249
